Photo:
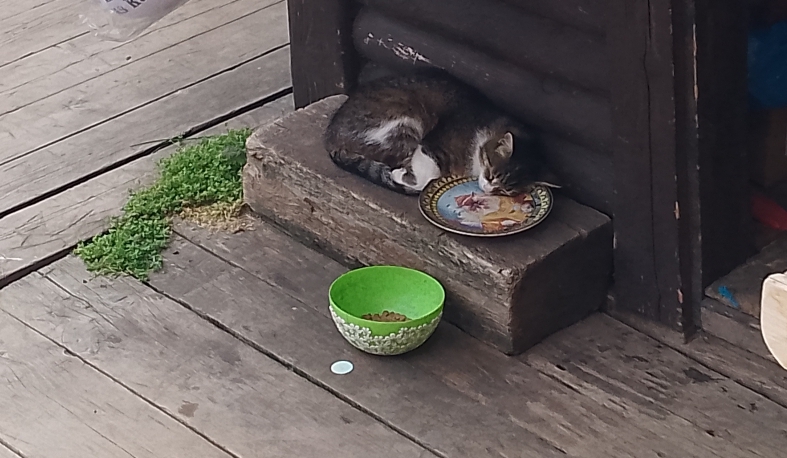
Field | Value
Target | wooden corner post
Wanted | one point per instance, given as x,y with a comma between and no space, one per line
672,150
322,58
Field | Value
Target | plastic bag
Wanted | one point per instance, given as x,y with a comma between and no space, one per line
123,20
768,66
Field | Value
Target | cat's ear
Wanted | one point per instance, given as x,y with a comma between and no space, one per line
505,147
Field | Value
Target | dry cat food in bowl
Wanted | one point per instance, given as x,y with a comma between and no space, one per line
385,317
386,310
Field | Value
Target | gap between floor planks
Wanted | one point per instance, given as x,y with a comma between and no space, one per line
62,165
53,401
6,452
108,97
41,175
226,391
85,58
476,384
748,369
46,231
35,29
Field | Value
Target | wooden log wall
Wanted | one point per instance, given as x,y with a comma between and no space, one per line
587,15
549,74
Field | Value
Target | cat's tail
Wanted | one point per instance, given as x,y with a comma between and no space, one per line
375,171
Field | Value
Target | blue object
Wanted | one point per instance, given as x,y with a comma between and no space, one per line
767,63
727,294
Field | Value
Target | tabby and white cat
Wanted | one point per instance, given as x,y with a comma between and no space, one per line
402,132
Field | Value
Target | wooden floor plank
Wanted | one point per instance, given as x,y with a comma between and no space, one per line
738,328
619,360
741,289
12,9
88,152
510,397
231,393
748,369
34,30
101,100
84,46
7,453
56,406
85,58
42,231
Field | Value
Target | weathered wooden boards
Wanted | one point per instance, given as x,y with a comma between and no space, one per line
537,82
736,327
587,15
55,142
773,316
36,235
226,391
323,62
459,397
86,57
505,32
511,292
7,453
741,289
550,104
605,357
749,369
50,23
56,405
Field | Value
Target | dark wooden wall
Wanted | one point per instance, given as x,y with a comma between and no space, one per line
642,105
679,104
322,58
525,57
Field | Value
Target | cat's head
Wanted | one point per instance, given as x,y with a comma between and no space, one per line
506,171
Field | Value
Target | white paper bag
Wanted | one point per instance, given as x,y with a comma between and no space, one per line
123,20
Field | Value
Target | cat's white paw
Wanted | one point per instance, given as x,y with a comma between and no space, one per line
425,169
397,175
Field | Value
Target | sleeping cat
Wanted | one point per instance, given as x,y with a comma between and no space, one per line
402,132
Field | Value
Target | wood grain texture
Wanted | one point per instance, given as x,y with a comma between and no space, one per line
586,175
45,231
646,210
68,161
106,98
7,453
410,401
589,15
556,107
741,289
323,62
735,327
55,405
619,360
504,394
13,9
504,291
86,57
36,29
213,382
509,34
758,374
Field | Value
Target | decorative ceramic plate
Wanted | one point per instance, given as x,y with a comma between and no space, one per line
458,205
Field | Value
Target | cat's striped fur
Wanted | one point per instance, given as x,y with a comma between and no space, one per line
402,132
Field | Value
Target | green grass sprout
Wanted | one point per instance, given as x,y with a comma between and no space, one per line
204,173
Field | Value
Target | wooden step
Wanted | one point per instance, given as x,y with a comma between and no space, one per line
510,292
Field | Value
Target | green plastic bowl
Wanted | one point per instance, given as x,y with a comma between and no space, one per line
371,290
